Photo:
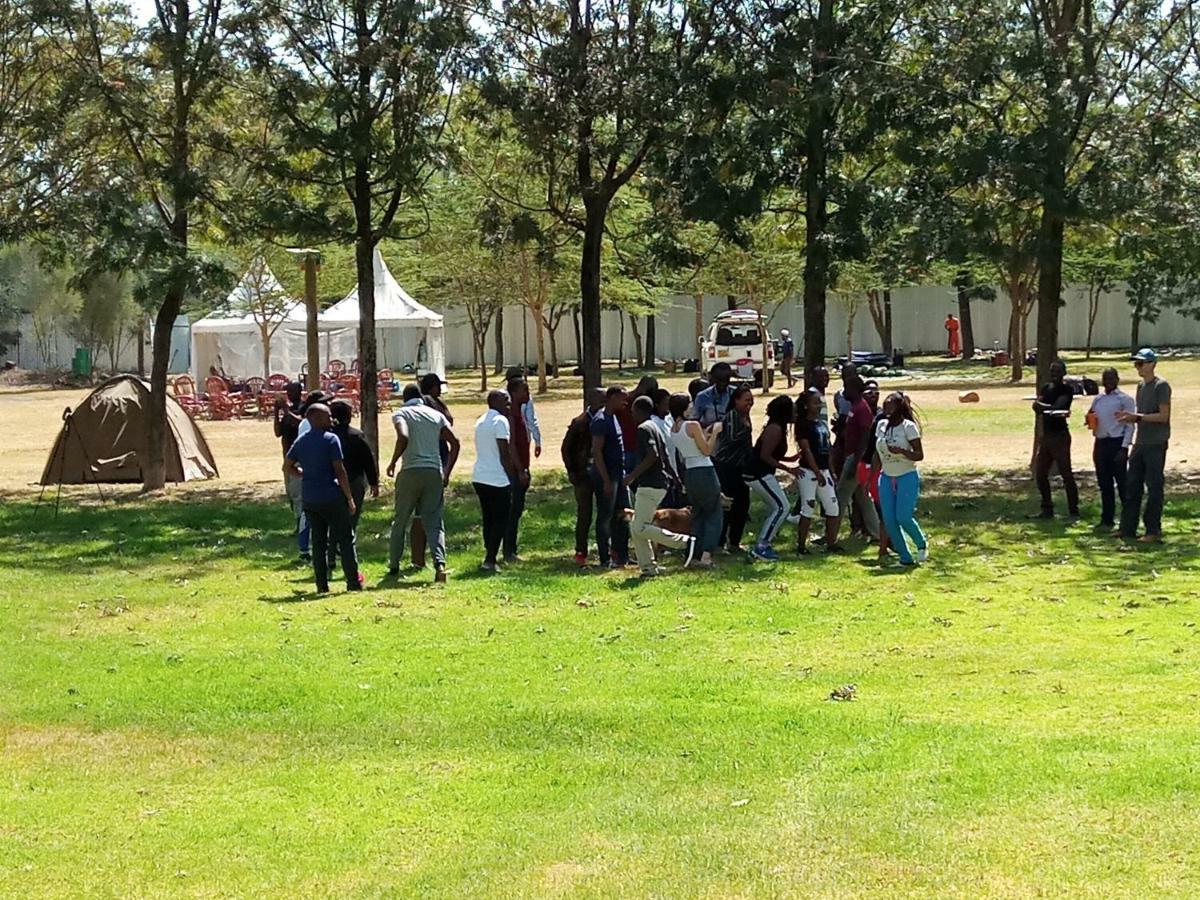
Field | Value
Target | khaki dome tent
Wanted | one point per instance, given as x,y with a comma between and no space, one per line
104,439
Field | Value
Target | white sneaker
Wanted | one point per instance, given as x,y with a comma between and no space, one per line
923,554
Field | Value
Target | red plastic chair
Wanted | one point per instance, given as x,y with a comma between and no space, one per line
256,400
385,388
222,403
347,388
184,389
336,368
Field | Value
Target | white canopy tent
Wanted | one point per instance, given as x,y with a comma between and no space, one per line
409,336
230,339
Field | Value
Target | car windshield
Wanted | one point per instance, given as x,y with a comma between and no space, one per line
735,335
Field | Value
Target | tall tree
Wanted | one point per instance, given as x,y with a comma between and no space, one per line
820,85
361,91
160,86
592,90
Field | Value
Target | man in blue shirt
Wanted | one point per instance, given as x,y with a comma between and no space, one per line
316,459
608,480
712,403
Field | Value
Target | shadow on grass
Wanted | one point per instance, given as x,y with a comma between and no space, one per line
966,517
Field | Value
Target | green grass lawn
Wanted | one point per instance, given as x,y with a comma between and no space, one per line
179,716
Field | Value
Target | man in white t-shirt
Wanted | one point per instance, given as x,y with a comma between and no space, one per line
494,474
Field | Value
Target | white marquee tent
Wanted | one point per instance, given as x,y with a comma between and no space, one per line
230,340
408,333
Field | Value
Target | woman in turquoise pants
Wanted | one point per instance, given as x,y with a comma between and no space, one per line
897,451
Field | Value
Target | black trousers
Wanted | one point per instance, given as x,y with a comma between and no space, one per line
734,486
1110,458
516,509
358,489
494,503
612,531
584,497
1056,448
330,522
1145,474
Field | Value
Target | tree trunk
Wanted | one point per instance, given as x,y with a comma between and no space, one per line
539,329
481,357
141,351
552,333
1050,253
498,335
364,253
966,327
698,297
638,347
879,304
620,341
266,350
816,187
1016,359
578,339
154,472
589,291
765,387
312,338
851,315
1093,311
651,342
1135,328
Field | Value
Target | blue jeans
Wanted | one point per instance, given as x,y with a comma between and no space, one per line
898,499
704,492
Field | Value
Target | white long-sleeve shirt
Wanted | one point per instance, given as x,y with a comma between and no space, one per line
1106,407
531,422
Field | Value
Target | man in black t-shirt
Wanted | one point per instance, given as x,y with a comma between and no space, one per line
289,413
361,468
1052,408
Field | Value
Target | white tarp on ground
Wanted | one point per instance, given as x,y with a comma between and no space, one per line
407,333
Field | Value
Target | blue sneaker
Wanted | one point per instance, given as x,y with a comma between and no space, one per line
759,551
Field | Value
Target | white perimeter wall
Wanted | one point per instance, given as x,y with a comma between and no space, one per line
918,315
25,354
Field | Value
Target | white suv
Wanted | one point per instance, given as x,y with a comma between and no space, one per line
737,338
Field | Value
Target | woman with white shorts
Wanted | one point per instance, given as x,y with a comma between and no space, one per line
816,483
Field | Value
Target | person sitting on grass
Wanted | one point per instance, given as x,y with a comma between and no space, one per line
767,458
316,458
361,468
421,484
897,451
695,444
648,479
816,483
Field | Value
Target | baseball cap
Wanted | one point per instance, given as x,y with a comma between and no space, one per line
1145,355
429,379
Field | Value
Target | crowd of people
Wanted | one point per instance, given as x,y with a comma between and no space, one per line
655,473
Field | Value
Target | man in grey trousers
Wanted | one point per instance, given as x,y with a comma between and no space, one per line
421,484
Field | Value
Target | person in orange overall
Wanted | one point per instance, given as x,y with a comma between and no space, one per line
953,346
